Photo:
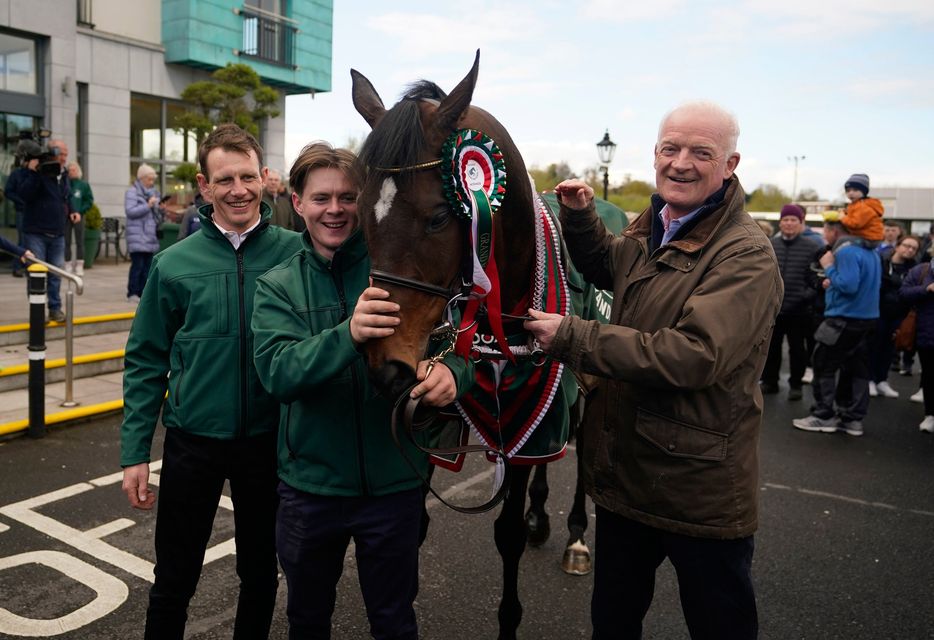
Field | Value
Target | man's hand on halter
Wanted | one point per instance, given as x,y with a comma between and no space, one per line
371,317
544,326
437,389
574,194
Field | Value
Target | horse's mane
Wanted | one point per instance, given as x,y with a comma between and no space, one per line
398,138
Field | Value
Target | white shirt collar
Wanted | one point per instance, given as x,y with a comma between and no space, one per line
236,239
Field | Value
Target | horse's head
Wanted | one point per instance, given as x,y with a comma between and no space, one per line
411,229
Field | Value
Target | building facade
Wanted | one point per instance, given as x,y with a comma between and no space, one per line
106,76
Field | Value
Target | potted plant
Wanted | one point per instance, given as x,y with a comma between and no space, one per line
93,223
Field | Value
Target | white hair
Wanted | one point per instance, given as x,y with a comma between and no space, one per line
712,109
77,169
145,170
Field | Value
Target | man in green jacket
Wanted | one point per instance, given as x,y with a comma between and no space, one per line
342,477
191,337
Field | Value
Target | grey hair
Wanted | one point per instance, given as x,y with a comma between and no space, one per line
731,128
145,170
77,169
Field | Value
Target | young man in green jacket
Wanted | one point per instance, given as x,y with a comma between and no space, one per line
191,337
342,477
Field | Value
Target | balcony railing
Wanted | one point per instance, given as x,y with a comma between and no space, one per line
268,37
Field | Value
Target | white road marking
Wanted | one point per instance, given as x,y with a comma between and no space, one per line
842,498
111,593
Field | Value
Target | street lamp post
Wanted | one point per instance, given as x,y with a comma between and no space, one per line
794,185
605,150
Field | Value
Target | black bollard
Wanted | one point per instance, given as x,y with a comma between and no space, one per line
38,279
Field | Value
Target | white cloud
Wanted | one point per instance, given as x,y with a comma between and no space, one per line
632,10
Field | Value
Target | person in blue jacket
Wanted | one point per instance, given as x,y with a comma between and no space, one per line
144,213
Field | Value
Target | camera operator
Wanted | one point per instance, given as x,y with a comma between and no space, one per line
44,191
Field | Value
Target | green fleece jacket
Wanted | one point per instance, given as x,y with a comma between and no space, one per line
334,430
191,336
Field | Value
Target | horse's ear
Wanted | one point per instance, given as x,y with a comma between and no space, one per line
366,100
454,106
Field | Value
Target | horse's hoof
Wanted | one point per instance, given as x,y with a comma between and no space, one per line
537,528
576,561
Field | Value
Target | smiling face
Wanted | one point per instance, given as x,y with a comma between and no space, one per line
328,205
692,158
235,188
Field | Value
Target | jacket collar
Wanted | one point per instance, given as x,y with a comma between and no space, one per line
351,251
206,213
695,235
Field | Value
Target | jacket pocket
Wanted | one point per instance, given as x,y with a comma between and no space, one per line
680,439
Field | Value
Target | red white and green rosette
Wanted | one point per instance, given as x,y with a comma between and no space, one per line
474,178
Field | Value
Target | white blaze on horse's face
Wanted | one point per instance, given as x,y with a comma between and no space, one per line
387,193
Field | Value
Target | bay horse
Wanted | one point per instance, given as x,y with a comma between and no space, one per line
421,252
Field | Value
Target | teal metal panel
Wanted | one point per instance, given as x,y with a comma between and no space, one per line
209,34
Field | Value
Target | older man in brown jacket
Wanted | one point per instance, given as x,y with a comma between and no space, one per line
670,449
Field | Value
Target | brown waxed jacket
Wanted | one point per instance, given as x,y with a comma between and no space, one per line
672,435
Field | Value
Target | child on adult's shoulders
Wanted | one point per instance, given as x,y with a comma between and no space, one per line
863,216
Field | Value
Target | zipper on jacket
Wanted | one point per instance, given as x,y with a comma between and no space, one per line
288,432
181,374
244,361
338,279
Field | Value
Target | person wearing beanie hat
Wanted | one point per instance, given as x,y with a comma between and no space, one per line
791,209
794,253
858,182
863,216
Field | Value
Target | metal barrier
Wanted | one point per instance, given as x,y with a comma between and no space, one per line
38,296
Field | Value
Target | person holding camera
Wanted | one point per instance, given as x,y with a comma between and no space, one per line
44,191
144,213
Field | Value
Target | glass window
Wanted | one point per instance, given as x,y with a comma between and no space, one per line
181,146
155,142
145,128
270,6
17,64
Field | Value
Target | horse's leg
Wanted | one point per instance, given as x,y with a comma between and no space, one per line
509,534
577,559
536,519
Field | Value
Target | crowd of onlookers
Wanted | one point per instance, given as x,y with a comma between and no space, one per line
858,305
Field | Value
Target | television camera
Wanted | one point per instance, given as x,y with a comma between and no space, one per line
34,145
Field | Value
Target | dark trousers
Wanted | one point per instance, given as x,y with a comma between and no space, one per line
312,536
192,477
796,329
882,348
74,231
139,271
926,356
714,580
848,356
20,240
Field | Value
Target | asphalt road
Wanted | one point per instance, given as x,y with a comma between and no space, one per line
844,548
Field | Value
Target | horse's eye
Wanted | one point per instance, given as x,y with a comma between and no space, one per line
439,221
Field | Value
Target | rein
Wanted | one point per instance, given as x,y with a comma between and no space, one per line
406,407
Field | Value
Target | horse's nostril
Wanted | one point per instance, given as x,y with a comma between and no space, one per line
393,378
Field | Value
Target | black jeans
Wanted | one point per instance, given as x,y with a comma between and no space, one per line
796,328
714,580
139,273
312,535
848,356
193,472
